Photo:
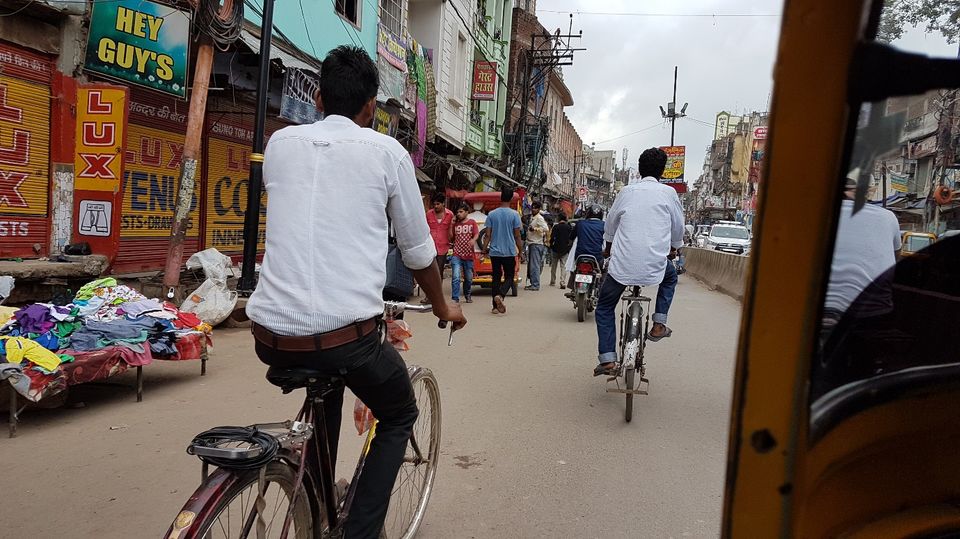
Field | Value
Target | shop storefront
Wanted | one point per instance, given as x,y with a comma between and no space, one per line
155,137
25,98
227,158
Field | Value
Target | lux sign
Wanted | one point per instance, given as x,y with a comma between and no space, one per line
101,123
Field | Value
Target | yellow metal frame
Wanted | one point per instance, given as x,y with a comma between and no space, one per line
889,471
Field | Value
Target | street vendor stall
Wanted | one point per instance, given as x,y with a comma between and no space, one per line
106,330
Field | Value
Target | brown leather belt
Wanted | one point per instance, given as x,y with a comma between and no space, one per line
315,343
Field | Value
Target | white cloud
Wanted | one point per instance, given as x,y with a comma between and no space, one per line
626,73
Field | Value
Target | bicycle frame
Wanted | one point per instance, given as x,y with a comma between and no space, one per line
632,303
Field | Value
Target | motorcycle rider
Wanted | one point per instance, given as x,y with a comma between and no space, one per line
589,238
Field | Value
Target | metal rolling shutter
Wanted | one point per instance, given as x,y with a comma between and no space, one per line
155,137
24,151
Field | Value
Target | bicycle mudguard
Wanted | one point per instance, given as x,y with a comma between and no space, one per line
203,501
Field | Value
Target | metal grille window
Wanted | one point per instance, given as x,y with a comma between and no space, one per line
391,15
350,10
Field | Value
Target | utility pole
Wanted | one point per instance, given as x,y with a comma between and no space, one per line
251,220
671,112
546,55
191,151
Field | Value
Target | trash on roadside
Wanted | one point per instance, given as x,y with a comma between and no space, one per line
6,287
212,301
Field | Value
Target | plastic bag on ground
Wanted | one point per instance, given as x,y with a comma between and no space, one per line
212,301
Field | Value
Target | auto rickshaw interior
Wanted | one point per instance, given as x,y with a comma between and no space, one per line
848,379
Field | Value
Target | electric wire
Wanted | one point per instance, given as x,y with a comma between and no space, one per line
224,31
23,7
658,124
642,14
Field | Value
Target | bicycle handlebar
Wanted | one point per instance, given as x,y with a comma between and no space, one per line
394,307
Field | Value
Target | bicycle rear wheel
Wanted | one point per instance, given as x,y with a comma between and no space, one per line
629,375
411,492
226,506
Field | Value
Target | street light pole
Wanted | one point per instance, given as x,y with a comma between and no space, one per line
251,220
671,112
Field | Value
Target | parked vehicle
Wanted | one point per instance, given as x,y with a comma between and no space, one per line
729,237
586,287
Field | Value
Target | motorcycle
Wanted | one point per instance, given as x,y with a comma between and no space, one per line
586,288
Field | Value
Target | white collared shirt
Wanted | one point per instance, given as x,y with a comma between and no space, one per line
645,222
331,186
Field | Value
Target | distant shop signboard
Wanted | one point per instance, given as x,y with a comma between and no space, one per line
484,81
675,162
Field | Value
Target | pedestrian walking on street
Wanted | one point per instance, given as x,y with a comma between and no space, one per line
503,245
561,238
439,219
536,246
464,232
327,317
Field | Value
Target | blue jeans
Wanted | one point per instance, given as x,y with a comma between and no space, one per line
536,252
459,264
605,314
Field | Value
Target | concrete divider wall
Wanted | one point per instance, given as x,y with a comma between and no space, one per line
724,272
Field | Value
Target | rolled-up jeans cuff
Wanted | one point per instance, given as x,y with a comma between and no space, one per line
607,357
660,318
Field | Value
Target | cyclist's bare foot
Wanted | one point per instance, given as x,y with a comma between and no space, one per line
659,331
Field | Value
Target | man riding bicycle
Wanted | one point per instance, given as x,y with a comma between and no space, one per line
335,186
643,228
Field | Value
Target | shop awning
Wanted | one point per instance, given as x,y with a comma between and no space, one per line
422,177
252,40
487,170
467,170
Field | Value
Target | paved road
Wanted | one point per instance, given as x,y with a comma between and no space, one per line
532,445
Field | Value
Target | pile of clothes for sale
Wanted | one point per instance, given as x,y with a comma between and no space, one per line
42,336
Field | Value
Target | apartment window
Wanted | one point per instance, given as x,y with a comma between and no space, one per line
391,15
349,9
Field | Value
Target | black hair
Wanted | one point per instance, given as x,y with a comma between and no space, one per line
464,206
506,194
562,217
652,162
438,197
348,81
536,205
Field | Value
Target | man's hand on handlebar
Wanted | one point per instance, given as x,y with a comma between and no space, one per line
450,312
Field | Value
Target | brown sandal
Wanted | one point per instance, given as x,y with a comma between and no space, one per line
498,304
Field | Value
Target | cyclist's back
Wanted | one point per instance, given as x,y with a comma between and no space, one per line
318,302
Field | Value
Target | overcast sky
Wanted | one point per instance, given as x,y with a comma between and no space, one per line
626,73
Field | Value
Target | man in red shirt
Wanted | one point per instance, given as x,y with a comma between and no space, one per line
439,219
464,232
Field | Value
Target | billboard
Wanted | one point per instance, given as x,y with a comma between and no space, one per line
484,81
140,42
675,160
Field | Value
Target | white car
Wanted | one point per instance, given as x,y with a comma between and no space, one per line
729,237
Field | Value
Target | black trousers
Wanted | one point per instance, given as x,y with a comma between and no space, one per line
504,268
375,372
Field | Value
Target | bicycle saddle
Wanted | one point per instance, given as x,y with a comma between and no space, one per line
290,378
